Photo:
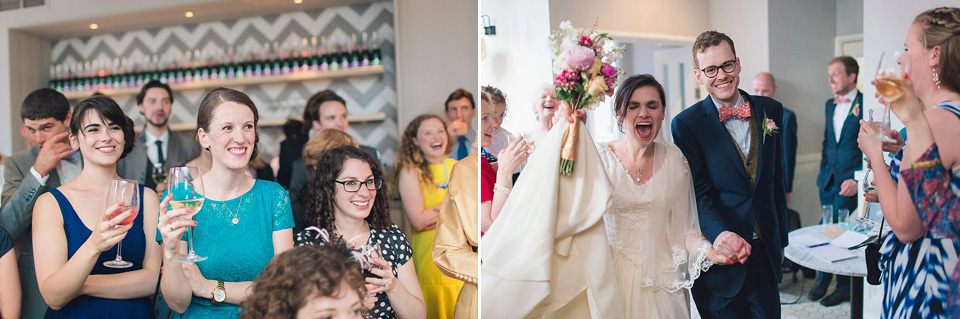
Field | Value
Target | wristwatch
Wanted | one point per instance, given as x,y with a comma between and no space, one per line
219,293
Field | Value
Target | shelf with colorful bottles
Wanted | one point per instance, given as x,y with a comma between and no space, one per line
291,60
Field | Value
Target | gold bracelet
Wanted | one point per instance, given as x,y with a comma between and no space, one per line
926,164
501,188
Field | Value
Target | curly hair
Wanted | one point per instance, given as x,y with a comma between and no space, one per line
411,156
109,112
322,190
941,27
293,277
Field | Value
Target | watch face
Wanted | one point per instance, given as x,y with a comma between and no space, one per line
219,295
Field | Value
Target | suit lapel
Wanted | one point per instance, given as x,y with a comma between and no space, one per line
173,152
721,137
852,119
831,135
758,116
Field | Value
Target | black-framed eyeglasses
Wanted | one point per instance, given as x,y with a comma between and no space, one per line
728,66
353,185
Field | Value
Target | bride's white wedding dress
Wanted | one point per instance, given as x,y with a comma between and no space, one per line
654,235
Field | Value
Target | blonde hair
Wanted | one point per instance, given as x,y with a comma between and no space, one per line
324,140
941,27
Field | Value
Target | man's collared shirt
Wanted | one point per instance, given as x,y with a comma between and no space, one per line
739,129
841,111
67,169
151,144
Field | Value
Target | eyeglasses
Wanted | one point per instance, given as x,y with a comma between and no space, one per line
353,186
728,66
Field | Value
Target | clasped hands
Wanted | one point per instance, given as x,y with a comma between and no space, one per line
729,248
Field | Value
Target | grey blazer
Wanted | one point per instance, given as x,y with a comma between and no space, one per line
20,192
134,166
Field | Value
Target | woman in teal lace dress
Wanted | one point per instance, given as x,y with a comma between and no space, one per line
243,222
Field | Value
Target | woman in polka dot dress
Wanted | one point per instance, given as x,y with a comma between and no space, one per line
348,200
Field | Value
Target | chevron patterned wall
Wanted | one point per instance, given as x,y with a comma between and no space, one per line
365,94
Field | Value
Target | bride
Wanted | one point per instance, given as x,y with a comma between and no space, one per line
652,225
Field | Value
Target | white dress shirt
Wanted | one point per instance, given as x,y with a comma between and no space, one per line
739,129
841,111
152,147
67,169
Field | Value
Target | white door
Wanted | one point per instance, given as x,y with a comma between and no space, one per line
674,69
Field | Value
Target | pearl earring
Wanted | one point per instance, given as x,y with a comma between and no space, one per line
936,78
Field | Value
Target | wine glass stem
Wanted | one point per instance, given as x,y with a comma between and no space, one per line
119,247
190,241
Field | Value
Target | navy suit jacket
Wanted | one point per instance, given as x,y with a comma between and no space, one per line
725,199
788,134
839,160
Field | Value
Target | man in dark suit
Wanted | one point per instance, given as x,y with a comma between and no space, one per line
29,174
764,84
731,144
459,110
325,109
156,149
839,158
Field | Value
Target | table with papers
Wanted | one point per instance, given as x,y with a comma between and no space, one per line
809,248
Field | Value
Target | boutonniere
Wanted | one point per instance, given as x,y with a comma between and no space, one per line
769,127
855,110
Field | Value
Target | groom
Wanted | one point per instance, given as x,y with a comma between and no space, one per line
730,140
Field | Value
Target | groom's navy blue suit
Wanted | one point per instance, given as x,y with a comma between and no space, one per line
727,201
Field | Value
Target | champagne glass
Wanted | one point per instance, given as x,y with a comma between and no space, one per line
185,184
889,83
127,192
159,176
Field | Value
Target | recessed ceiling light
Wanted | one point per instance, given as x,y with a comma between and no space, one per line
94,26
298,1
188,14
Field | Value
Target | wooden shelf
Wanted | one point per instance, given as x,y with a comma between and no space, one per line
236,83
274,122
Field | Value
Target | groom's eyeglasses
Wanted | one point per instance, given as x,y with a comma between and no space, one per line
728,66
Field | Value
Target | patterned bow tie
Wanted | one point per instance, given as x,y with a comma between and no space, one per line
840,99
490,158
742,112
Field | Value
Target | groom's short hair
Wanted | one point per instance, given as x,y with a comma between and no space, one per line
709,39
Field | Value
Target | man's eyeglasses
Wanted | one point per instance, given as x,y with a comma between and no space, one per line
728,66
353,186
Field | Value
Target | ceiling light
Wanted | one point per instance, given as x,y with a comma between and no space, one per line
298,1
94,26
188,14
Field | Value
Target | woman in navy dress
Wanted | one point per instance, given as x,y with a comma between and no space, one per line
73,235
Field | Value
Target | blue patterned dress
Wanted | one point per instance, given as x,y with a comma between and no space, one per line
936,193
916,276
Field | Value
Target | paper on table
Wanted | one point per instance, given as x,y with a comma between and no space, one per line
832,253
807,240
849,239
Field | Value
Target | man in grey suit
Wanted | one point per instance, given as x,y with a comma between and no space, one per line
30,173
156,149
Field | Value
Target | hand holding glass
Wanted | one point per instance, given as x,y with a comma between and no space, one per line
127,192
187,188
889,83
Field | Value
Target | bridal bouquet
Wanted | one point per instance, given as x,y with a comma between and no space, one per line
584,76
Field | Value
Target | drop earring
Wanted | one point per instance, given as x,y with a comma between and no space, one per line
936,78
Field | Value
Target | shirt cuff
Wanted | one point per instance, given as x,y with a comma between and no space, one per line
42,179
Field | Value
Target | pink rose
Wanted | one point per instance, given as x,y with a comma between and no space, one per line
578,57
771,125
608,70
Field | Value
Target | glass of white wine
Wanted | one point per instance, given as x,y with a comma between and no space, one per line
185,184
158,175
889,83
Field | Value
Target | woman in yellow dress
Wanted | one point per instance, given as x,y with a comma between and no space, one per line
423,172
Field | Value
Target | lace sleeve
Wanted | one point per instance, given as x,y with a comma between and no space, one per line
690,247
282,213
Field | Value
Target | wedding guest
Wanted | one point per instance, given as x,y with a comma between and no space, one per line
544,107
9,278
455,248
307,282
460,109
157,148
349,202
321,142
69,255
764,84
501,137
738,182
926,220
244,224
423,174
30,173
496,184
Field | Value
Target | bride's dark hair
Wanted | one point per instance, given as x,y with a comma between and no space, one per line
625,91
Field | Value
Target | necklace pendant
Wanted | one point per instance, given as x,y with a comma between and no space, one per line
638,179
235,221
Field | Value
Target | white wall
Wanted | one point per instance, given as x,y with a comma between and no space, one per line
745,21
849,17
518,60
436,54
665,17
